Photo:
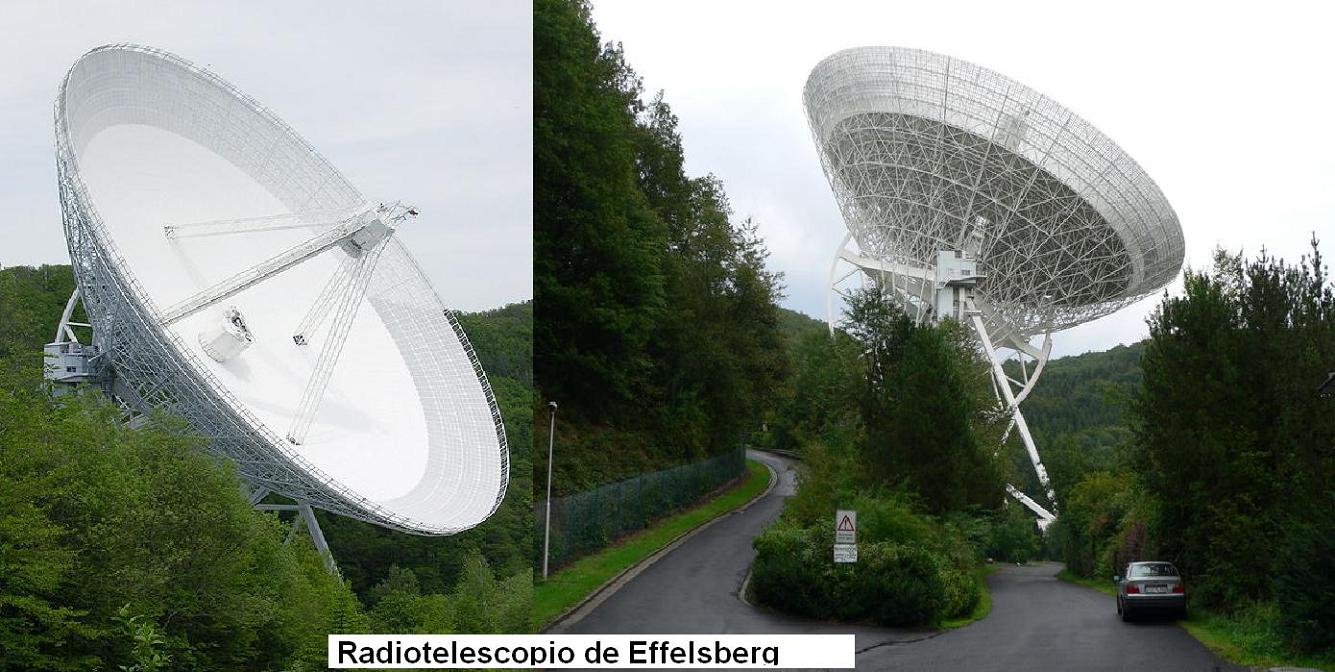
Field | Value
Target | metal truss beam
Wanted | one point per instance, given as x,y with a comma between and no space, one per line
221,227
262,271
306,515
344,313
1004,386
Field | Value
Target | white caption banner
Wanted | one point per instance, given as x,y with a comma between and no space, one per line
591,651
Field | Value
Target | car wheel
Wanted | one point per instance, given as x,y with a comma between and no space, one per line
1126,614
1119,606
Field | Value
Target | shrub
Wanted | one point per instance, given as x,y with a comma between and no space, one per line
1305,581
783,577
893,583
962,591
900,585
1012,536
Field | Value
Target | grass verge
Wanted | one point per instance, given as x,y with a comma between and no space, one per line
1248,638
573,583
984,606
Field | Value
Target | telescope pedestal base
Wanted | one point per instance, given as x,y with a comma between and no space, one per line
305,515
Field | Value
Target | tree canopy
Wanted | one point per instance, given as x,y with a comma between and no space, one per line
657,330
1225,461
135,549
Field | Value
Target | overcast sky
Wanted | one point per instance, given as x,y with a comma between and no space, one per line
425,102
1226,110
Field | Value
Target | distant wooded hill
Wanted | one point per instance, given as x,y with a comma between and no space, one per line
1076,411
1085,395
1080,396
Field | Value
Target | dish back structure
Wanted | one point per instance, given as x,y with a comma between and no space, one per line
969,195
154,367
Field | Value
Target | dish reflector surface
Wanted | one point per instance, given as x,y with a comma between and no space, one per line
925,152
407,435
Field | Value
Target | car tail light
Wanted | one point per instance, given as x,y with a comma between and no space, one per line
1132,588
1179,589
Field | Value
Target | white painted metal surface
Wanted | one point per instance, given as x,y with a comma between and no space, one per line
404,430
970,196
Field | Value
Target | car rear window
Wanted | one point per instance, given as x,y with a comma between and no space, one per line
1152,569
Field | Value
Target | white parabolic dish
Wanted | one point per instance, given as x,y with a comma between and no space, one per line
408,434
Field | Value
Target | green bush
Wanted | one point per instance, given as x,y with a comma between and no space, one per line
1305,581
784,577
890,517
962,591
893,582
899,585
1012,536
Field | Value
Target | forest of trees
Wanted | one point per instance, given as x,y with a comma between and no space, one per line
897,421
133,549
1078,414
656,327
1227,467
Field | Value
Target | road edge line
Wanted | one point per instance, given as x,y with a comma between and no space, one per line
597,596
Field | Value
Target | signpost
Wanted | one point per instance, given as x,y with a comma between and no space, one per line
845,536
845,527
846,553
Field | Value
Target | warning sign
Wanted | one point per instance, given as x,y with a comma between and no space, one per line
845,553
845,527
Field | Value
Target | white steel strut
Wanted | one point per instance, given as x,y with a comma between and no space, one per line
1045,517
293,220
918,290
361,230
318,310
65,330
1017,418
363,236
345,311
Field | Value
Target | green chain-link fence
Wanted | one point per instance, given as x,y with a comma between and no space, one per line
587,521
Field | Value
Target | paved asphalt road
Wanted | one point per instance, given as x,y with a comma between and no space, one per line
1037,622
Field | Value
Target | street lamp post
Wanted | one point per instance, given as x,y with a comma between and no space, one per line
547,525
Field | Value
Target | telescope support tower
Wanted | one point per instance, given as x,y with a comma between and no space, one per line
305,515
935,293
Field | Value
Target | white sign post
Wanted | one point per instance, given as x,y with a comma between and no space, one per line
845,536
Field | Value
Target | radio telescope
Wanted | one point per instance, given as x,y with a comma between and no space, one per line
968,195
232,276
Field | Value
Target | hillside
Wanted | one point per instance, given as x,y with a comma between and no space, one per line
1078,415
656,326
1080,398
113,535
795,326
1076,412
31,301
1085,395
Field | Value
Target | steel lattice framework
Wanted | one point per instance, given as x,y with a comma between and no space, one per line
155,368
932,158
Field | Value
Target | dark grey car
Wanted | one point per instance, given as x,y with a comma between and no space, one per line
1151,587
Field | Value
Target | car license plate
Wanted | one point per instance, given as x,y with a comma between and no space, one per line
1156,589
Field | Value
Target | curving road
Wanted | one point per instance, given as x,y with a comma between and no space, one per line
1041,623
1037,622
